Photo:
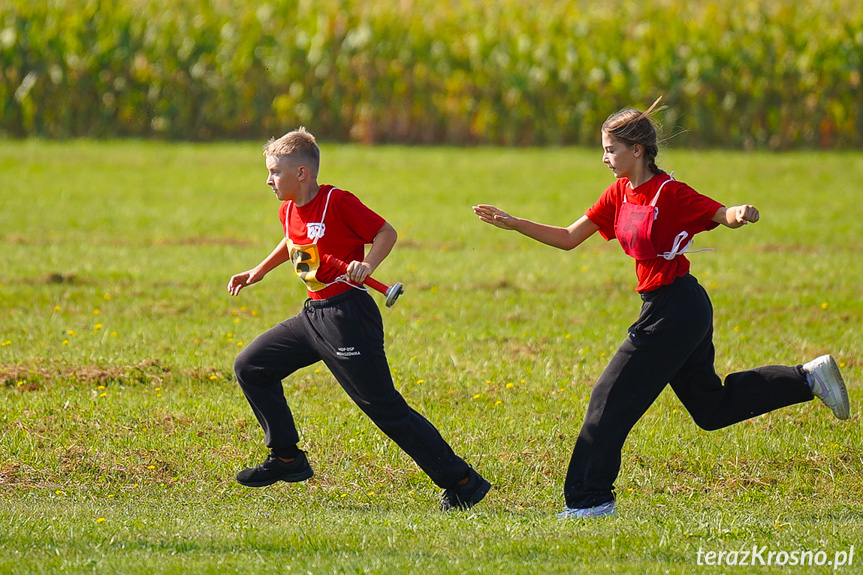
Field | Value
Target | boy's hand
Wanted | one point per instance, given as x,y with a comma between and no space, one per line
241,280
358,271
492,215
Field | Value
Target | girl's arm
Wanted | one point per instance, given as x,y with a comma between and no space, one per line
736,216
564,238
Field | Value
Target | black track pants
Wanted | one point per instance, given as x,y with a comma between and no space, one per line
670,343
346,332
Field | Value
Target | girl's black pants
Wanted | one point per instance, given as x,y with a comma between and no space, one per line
670,343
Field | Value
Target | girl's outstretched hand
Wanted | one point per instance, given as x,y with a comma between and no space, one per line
492,215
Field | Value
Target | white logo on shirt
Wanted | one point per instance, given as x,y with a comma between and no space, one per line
316,231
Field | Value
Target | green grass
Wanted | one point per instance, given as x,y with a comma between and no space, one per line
121,425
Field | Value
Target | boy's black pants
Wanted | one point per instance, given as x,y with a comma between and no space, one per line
346,332
670,343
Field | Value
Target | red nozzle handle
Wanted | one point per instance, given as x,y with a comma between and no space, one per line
343,267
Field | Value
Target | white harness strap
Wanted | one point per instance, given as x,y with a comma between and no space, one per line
676,248
316,231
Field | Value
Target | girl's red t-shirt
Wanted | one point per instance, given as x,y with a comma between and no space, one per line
680,208
348,226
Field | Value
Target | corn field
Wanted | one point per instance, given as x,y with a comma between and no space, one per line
739,74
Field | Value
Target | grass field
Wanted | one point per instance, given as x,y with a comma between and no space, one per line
121,425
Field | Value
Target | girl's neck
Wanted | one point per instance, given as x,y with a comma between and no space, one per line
641,177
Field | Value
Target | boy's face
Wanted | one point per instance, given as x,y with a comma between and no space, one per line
284,177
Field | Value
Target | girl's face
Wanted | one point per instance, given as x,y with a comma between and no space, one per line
621,158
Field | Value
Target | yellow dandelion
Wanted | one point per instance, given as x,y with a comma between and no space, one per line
100,387
824,305
158,389
498,402
151,467
477,396
65,341
100,520
58,492
56,308
96,312
113,334
318,370
20,383
236,320
103,394
214,377
433,289
97,327
239,344
521,381
71,332
736,328
5,343
158,395
254,313
510,385
106,297
243,308
420,381
343,495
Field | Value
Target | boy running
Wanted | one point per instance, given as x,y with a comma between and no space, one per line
340,324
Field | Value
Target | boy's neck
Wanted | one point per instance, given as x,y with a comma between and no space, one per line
308,192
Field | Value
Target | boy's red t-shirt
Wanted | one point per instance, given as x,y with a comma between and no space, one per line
348,226
680,209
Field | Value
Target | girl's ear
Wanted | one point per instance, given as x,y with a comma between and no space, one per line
637,150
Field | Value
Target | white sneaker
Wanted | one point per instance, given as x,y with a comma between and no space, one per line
826,384
587,512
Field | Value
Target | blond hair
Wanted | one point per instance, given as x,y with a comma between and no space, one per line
299,146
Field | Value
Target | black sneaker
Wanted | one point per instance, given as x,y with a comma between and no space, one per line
467,495
274,469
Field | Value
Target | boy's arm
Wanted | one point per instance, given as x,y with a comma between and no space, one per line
382,245
276,258
736,216
566,238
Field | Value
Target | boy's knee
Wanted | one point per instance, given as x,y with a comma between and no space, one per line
242,367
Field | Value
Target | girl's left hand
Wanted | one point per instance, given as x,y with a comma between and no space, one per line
745,214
